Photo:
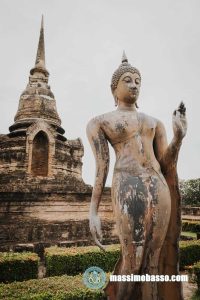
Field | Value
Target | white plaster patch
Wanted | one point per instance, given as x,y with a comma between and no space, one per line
139,251
65,235
125,209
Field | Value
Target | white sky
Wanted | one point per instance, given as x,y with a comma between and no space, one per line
84,44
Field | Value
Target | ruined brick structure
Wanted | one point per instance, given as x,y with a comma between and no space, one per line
43,198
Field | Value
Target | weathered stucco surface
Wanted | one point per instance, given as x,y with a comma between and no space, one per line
145,191
43,198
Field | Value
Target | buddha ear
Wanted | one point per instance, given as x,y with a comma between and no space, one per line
112,89
114,92
116,101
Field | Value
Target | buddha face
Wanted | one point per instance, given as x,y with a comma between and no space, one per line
127,90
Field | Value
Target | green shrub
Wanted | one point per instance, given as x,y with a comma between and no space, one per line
76,260
190,192
196,269
189,235
196,295
189,253
72,261
52,288
18,266
191,226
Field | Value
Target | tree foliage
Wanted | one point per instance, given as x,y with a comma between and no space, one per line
190,192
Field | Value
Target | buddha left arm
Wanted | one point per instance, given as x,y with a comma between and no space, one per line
100,149
167,155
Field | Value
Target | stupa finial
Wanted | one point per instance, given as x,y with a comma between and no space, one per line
40,57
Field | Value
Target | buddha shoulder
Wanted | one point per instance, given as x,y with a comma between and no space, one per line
100,122
149,121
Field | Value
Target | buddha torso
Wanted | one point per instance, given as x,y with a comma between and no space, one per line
131,134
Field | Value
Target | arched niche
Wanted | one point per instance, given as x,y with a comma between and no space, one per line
49,133
40,155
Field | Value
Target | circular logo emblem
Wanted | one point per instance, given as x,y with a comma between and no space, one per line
94,278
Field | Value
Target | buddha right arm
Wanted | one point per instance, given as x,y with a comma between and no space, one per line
167,155
100,149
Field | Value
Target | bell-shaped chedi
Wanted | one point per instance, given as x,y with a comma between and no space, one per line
43,198
36,150
37,100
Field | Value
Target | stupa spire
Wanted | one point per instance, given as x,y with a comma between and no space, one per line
40,57
37,100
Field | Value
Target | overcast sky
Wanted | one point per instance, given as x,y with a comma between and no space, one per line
84,43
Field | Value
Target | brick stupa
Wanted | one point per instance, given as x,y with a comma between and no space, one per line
35,150
43,198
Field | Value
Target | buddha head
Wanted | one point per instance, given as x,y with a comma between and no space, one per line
125,83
